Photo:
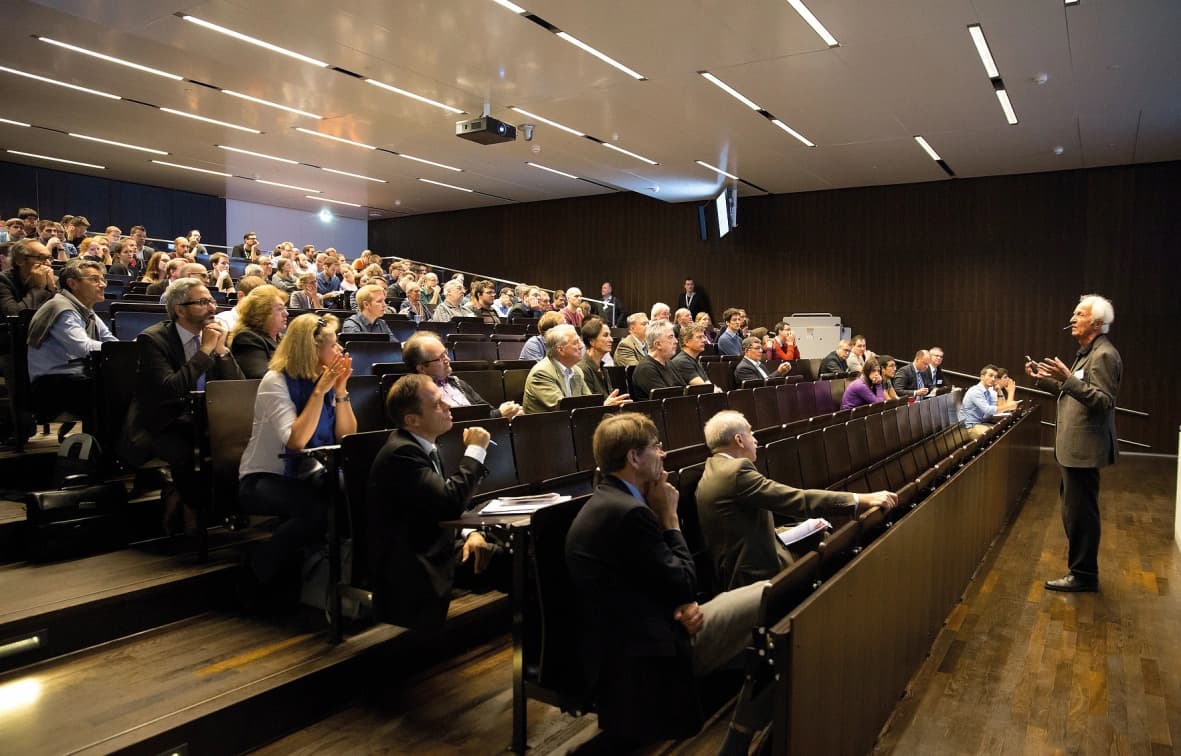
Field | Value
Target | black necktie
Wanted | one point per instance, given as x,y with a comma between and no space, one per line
436,462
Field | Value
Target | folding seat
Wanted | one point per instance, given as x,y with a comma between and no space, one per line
543,446
721,374
753,383
709,405
509,350
806,400
822,393
813,466
514,384
890,433
475,350
785,397
838,548
687,480
652,408
442,329
357,454
666,392
836,454
487,383
473,325
366,353
743,400
345,339
127,324
502,469
368,403
858,445
836,388
583,422
229,420
681,422
766,407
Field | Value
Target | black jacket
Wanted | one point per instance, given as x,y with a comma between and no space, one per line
253,351
832,363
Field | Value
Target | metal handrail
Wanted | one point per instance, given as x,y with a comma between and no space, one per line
1121,440
1039,392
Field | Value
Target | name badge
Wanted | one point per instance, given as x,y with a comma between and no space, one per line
1079,374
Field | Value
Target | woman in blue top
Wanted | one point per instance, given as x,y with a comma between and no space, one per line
302,402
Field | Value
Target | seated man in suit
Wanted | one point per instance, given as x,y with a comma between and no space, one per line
646,637
751,366
837,361
687,362
730,340
910,380
736,504
557,376
176,357
632,347
934,377
413,558
654,370
425,354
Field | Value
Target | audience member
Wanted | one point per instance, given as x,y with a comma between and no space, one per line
535,348
631,347
30,282
572,312
909,381
452,305
172,273
866,388
653,370
693,300
195,242
660,311
483,301
180,248
837,361
751,367
75,229
559,300
140,234
543,301
555,377
371,301
50,234
429,285
424,353
527,307
246,284
687,362
704,320
889,371
413,306
730,340
123,263
219,272
249,247
504,303
308,295
253,339
29,218
16,229
611,310
783,344
284,277
858,354
596,337
934,377
979,407
156,268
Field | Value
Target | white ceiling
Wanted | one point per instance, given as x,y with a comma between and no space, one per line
1112,93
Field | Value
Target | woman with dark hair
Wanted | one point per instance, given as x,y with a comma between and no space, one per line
302,402
596,335
866,388
307,297
889,368
262,316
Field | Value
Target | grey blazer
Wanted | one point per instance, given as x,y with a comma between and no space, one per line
1085,436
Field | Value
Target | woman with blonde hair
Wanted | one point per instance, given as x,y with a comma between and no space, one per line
95,248
262,316
307,297
302,402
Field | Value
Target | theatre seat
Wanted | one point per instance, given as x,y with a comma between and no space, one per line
838,547
229,416
543,446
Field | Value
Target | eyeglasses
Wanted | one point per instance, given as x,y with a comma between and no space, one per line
202,302
443,357
95,279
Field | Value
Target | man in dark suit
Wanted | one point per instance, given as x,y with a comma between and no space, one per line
412,557
934,377
837,361
911,378
736,504
423,353
646,637
176,357
1084,439
751,367
611,310
693,300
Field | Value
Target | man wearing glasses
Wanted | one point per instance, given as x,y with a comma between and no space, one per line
176,357
30,283
750,367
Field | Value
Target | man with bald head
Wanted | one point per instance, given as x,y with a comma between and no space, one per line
909,380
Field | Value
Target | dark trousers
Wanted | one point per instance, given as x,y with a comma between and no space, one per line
304,502
1080,518
69,394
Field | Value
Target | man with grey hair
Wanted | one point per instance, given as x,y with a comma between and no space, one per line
187,270
837,361
1084,439
736,505
653,370
631,348
660,311
176,357
452,305
687,362
172,273
555,377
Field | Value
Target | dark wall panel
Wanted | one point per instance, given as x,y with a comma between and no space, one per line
987,268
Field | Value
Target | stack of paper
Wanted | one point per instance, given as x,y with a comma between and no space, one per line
507,505
803,530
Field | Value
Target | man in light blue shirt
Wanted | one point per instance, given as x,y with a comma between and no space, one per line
979,405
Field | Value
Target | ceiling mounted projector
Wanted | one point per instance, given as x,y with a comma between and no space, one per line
485,130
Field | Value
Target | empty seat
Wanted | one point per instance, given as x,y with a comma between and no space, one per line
229,413
767,407
368,402
509,350
514,384
858,444
127,324
783,462
681,422
654,410
743,400
838,548
711,404
822,393
489,384
544,446
813,466
583,422
475,350
366,353
502,469
836,453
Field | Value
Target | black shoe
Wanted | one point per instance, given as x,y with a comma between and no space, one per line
1073,584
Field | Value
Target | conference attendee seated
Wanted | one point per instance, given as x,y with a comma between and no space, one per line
284,277
253,339
176,357
190,270
306,297
527,306
483,301
371,303
572,312
413,558
660,311
610,309
172,273
557,376
934,377
30,282
413,306
453,305
156,267
979,408
837,361
703,319
246,284
858,354
425,354
736,505
596,337
535,348
686,363
645,638
866,388
654,371
783,344
681,318
730,340
631,347
889,367
123,261
751,366
62,334
302,402
909,380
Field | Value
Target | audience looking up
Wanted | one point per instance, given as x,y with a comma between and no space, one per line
556,377
837,361
653,370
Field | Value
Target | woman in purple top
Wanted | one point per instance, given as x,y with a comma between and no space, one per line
867,389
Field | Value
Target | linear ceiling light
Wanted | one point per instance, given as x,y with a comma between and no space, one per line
257,154
983,51
610,146
286,186
449,186
411,95
16,123
1006,106
191,168
57,159
334,138
511,6
729,90
55,82
270,104
119,144
552,170
252,40
814,22
1072,2
544,120
927,148
805,140
111,59
355,175
333,201
716,169
196,117
429,162
601,56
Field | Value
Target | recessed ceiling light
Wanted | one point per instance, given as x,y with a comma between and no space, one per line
805,140
196,117
334,138
714,168
545,120
1072,2
927,148
553,170
270,104
333,201
253,40
16,123
983,50
729,90
411,95
191,168
111,59
57,159
286,186
429,162
449,186
511,6
814,22
119,144
601,56
355,175
629,153
55,82
257,154
1006,106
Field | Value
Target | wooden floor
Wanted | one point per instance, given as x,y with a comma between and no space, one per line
1018,669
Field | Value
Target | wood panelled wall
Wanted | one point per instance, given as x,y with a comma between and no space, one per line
990,269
